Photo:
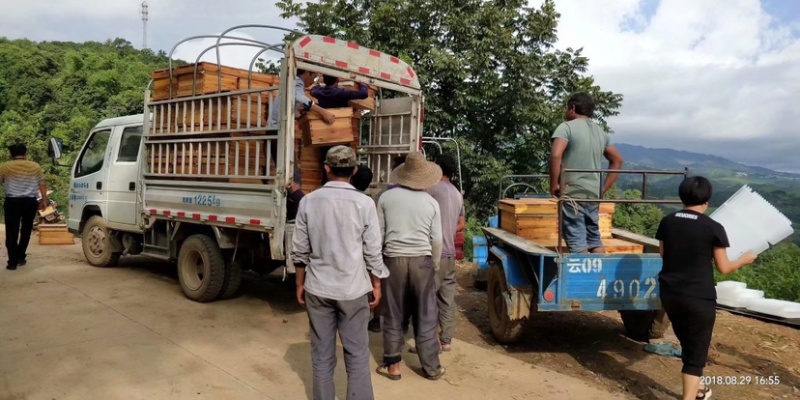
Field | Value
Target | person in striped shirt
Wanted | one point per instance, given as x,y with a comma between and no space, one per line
22,179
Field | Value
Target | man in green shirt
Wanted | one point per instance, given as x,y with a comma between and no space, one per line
579,143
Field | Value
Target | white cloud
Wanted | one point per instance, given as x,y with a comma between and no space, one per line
697,76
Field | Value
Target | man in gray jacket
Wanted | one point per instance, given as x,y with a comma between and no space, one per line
412,230
336,249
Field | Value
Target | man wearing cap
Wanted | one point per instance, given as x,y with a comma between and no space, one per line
337,254
412,231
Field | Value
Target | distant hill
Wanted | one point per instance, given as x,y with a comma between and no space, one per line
781,189
643,157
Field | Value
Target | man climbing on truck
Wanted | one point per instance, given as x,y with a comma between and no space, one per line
579,143
333,96
303,80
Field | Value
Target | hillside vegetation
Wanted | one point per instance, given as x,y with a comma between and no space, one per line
63,89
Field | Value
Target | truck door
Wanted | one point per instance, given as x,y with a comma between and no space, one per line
124,168
391,131
89,177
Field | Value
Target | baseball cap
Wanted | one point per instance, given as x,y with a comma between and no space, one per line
341,157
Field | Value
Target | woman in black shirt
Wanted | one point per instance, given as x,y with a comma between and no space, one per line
689,241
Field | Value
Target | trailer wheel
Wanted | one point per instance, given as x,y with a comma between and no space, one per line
233,279
96,243
645,325
504,329
201,268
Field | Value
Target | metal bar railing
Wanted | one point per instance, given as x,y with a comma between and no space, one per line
600,198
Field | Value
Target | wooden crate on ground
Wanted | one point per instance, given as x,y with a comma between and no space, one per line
318,132
54,234
536,219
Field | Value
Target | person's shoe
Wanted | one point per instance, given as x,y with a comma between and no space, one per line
11,267
374,325
21,262
436,375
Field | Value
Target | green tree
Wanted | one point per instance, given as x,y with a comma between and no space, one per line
62,90
490,72
641,218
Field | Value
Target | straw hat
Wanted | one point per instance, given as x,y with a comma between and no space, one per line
417,172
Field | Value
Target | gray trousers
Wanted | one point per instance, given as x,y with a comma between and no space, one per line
411,284
349,318
446,298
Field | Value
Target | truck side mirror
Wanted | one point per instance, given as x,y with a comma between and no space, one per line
54,148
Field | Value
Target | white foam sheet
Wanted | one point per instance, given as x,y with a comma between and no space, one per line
732,285
778,308
737,296
751,223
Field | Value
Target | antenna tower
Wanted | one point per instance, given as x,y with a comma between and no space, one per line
145,16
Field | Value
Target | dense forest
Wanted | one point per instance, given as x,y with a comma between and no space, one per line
61,89
502,120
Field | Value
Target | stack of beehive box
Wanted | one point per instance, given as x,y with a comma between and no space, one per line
246,111
536,219
313,137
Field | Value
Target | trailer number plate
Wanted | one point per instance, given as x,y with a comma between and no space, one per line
634,288
584,265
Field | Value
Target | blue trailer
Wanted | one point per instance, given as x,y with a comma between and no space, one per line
523,277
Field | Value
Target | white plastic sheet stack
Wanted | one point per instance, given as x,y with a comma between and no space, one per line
736,294
751,223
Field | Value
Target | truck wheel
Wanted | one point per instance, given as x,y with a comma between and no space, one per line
504,329
645,325
233,279
201,268
96,243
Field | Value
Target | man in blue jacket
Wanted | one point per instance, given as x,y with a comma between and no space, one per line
332,96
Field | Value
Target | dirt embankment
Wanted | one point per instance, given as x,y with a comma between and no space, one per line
749,359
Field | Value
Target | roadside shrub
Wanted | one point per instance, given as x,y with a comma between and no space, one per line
776,272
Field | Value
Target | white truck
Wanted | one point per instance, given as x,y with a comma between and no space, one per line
156,185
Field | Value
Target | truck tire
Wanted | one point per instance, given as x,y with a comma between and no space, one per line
503,328
233,280
201,268
96,243
645,325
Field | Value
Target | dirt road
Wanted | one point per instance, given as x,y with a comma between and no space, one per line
751,359
72,331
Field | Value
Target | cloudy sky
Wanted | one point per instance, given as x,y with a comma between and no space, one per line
696,75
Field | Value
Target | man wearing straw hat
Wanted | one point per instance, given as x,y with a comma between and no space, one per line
412,230
336,249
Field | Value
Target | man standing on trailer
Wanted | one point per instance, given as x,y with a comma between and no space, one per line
579,143
21,179
412,230
332,96
337,254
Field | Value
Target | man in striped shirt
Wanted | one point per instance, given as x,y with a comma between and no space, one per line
21,179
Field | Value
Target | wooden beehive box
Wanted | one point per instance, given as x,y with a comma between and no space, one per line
185,83
318,132
53,234
536,219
